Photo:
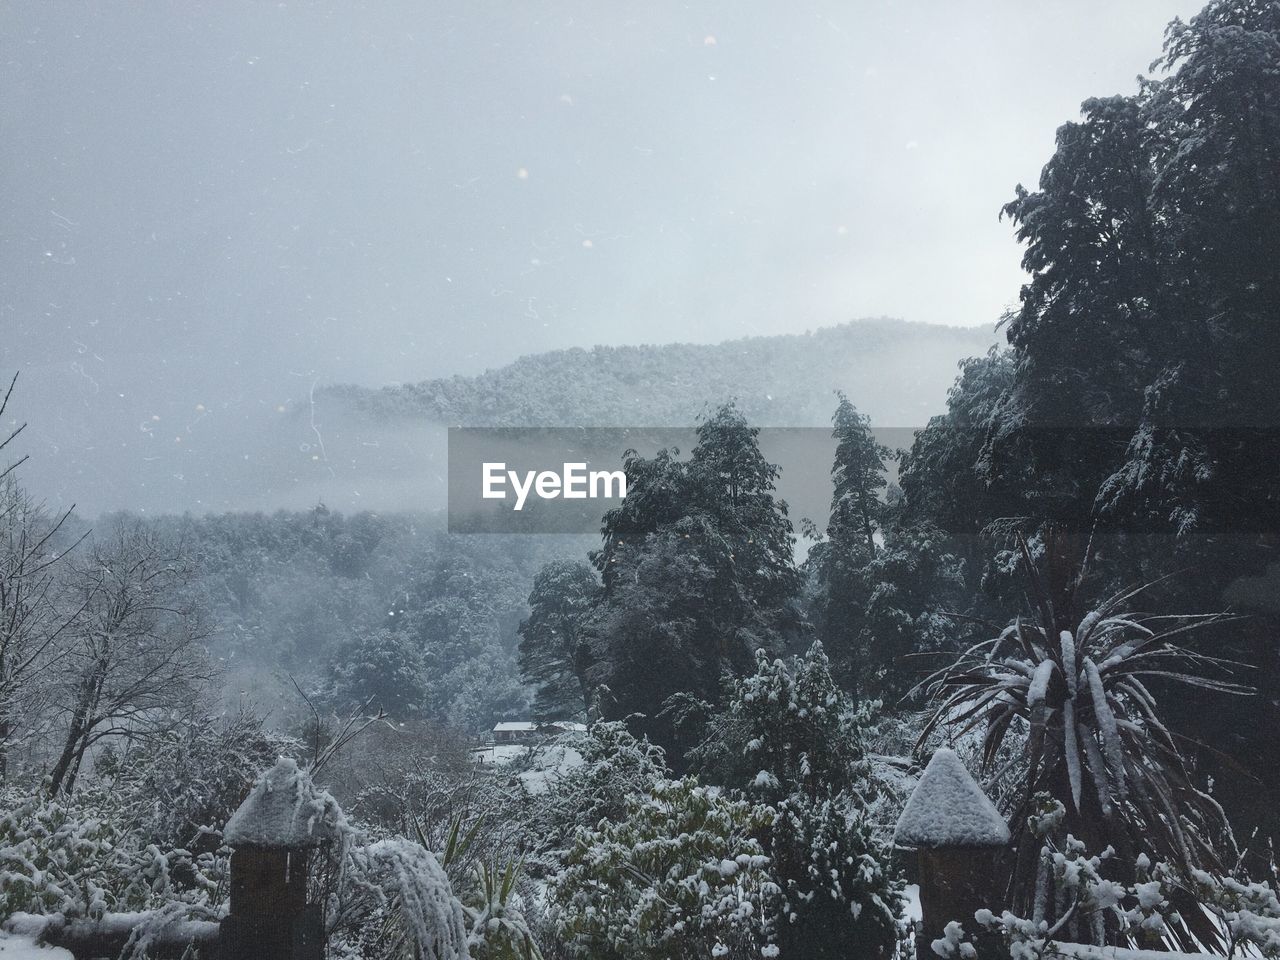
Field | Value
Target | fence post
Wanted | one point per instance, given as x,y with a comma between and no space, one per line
278,837
957,833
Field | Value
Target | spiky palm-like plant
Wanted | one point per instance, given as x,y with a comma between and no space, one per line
1077,687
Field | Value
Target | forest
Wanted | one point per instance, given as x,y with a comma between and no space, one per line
1069,590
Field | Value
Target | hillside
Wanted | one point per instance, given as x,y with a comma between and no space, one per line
897,372
278,445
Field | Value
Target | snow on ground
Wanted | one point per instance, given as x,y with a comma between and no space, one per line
1079,951
911,903
550,764
500,753
14,947
546,761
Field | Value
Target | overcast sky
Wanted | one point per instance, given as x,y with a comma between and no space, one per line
393,190
210,207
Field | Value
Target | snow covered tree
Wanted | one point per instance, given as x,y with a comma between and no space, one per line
880,614
384,669
615,768
786,729
178,789
681,875
875,604
858,475
555,654
36,610
789,737
698,573
136,663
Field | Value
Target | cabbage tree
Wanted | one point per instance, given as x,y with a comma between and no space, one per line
1077,691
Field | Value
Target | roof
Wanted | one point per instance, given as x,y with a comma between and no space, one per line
532,726
949,809
284,810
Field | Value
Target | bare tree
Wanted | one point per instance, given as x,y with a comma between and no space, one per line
137,662
34,614
13,434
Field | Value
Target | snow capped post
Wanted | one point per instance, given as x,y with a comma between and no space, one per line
956,831
277,907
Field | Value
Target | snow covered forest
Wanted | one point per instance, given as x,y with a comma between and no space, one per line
1019,698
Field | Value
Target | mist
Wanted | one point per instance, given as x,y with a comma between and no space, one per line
216,208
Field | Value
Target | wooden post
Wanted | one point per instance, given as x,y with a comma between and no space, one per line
270,917
275,838
957,834
955,882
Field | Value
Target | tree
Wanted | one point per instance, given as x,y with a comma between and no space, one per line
786,728
180,788
1152,244
36,614
698,573
788,737
879,579
858,476
382,669
1073,688
555,654
616,768
136,661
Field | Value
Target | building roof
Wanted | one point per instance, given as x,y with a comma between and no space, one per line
532,726
949,809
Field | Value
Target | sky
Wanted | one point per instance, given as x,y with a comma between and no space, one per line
221,203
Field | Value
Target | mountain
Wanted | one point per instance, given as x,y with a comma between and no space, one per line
897,372
291,444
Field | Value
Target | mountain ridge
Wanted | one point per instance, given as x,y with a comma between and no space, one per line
895,370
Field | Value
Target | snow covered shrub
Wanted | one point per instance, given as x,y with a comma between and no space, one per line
682,875
1076,688
789,737
1247,911
616,767
398,904
495,921
786,728
70,857
179,789
1077,902
838,895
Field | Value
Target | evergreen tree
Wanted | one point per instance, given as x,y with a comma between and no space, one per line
858,475
788,737
879,581
555,655
698,573
383,668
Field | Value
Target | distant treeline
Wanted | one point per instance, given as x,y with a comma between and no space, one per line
388,606
897,373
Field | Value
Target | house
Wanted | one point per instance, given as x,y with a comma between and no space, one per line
531,731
